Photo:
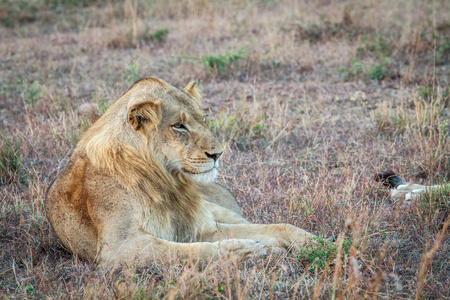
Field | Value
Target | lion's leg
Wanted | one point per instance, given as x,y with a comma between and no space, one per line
279,235
144,248
231,225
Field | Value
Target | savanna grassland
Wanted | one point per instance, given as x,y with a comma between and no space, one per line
310,99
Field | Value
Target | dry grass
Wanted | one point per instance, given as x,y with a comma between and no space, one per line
311,98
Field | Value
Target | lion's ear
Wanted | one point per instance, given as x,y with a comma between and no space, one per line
146,112
192,90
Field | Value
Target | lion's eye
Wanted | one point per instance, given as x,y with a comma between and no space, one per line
179,127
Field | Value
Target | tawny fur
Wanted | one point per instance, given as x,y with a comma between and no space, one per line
139,186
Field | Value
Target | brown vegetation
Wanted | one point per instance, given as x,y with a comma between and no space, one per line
310,99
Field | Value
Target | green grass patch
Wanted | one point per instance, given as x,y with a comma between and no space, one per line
377,72
222,62
102,102
351,72
10,162
31,93
321,253
374,44
160,35
131,73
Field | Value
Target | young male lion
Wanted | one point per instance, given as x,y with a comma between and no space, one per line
139,186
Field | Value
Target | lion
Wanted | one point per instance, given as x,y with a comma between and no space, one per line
139,187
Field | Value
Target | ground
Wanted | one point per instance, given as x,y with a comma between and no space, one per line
310,99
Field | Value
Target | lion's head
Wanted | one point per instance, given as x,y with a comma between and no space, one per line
157,120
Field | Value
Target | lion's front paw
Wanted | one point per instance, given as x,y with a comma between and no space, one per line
289,236
241,248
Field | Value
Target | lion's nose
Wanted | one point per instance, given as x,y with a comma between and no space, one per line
214,156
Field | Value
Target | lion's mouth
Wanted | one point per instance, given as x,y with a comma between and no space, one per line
200,168
195,172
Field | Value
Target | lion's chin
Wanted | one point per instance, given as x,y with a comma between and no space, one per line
204,177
